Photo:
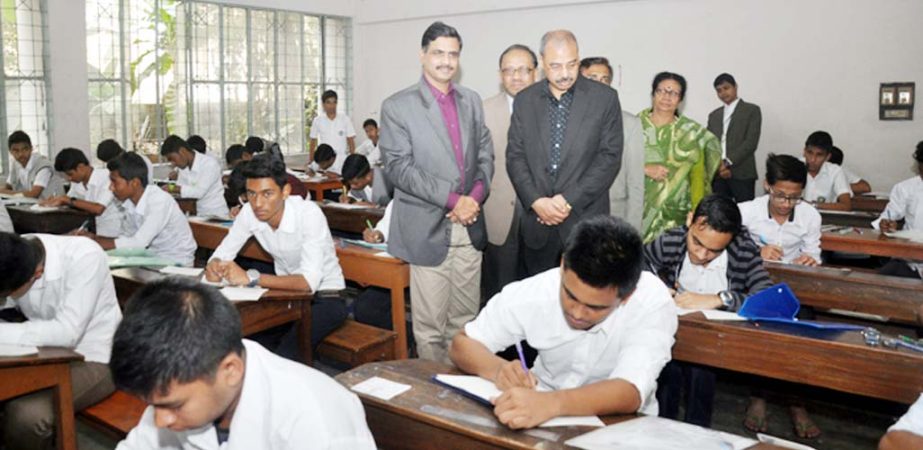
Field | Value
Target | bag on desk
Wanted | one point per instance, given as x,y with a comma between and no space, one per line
779,304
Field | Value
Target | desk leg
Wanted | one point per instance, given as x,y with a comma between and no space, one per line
304,333
318,195
64,407
398,320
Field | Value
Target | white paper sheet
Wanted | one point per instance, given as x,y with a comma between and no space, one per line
42,209
656,432
346,205
913,235
182,271
381,388
17,350
242,294
566,421
384,255
779,442
713,314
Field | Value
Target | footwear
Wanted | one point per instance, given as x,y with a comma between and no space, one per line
755,419
805,428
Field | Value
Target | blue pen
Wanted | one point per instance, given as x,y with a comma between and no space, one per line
522,357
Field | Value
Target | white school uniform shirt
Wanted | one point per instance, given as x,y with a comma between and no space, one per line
798,235
41,178
202,181
333,133
384,225
829,183
283,406
159,226
371,152
912,421
709,279
109,223
851,177
905,202
633,343
361,195
6,224
302,245
150,167
73,303
728,112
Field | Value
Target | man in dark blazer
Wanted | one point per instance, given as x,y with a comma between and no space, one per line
737,124
438,156
564,151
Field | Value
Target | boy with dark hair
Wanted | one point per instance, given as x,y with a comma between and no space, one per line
89,191
335,130
783,226
31,174
155,221
905,202
357,181
235,154
369,148
738,125
109,149
180,349
827,187
199,177
295,233
323,161
711,263
602,327
197,143
63,286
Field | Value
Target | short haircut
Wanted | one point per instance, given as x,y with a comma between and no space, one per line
18,259
918,154
785,168
821,140
663,76
236,185
324,152
197,143
69,158
725,78
108,149
254,144
605,251
129,166
586,63
721,214
355,166
836,156
173,330
266,165
234,153
371,122
556,36
329,93
522,48
18,137
172,144
437,30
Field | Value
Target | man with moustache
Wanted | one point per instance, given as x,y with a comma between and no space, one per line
564,151
438,155
502,211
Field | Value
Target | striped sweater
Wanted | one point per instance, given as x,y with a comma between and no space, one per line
745,272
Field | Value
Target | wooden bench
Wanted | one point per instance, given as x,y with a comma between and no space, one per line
116,415
355,344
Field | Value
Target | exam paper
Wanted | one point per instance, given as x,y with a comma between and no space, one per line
17,350
41,209
713,314
381,388
346,205
779,442
242,294
656,432
182,271
913,235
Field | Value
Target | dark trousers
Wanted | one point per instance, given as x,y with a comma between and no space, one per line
737,190
538,260
328,312
699,384
899,268
501,264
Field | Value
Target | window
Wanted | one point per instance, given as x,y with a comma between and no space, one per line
160,67
24,102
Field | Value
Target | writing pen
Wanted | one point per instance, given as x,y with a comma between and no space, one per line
84,226
369,223
522,357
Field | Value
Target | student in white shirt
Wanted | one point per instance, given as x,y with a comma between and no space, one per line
907,433
153,216
6,224
31,174
89,191
373,305
109,149
199,177
602,327
857,184
335,130
905,202
369,148
180,349
827,187
295,233
322,163
780,223
63,286
358,177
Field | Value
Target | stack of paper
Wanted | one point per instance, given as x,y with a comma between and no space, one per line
381,388
242,294
182,271
18,350
346,205
42,209
713,314
659,433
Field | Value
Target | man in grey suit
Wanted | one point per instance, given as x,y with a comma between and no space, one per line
564,151
626,196
737,124
439,158
502,210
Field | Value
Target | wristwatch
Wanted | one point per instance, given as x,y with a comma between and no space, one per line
254,276
727,299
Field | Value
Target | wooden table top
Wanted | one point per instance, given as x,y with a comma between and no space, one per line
871,242
46,355
869,203
859,219
63,220
350,220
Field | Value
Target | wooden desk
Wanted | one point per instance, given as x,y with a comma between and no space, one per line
350,220
50,369
431,416
186,205
859,219
275,307
62,221
842,362
317,188
897,299
869,203
871,242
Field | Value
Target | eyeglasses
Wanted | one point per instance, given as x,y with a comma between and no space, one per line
667,92
522,71
782,198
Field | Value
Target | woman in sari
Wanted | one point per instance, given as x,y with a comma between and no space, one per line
680,158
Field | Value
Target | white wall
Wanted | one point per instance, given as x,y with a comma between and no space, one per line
810,64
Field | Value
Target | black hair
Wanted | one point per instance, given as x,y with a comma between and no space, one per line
586,63
437,30
129,166
520,47
237,185
68,159
266,165
18,259
785,168
836,156
254,144
721,214
324,152
197,143
234,154
355,166
108,149
18,137
918,154
371,122
821,140
329,93
173,330
725,78
172,144
605,251
662,76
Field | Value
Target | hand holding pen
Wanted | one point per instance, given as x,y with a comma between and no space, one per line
515,373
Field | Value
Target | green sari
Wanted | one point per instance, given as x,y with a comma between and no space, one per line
691,154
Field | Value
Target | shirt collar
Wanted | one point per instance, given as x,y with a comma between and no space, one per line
437,93
791,217
30,163
288,222
145,198
547,91
52,264
733,106
509,101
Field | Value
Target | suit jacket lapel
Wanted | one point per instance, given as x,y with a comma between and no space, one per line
542,124
434,115
464,120
736,117
575,120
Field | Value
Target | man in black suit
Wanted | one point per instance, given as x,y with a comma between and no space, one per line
564,151
737,124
